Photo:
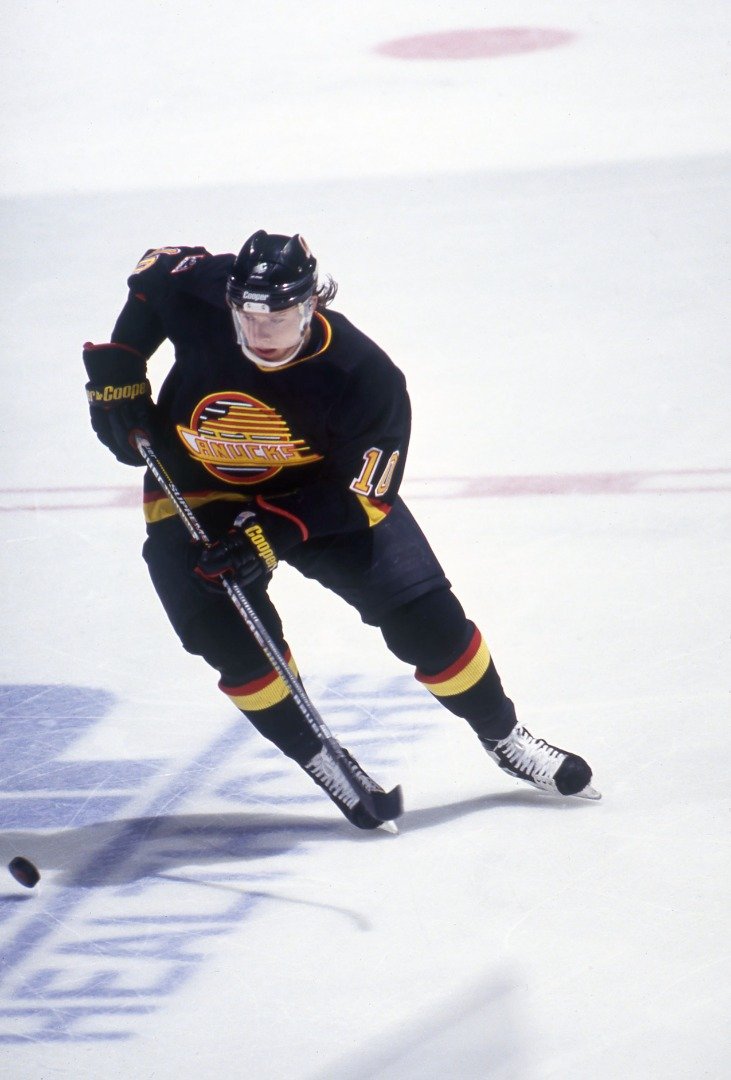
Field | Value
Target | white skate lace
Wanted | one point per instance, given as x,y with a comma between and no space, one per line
368,783
534,759
326,769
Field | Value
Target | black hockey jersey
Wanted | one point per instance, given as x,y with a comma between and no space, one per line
323,438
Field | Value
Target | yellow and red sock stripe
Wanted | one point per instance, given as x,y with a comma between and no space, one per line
260,693
463,674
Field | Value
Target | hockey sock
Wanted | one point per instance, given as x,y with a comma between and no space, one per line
452,661
269,707
471,688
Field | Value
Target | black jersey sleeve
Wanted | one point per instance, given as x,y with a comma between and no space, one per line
160,275
369,428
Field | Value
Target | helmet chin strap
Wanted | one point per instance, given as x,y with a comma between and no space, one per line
308,309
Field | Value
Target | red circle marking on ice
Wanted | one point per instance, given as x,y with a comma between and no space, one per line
474,44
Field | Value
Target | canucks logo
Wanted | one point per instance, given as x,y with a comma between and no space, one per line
239,439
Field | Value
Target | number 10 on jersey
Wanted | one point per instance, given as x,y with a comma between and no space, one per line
364,482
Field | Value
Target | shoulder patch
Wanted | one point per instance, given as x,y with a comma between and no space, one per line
152,255
187,262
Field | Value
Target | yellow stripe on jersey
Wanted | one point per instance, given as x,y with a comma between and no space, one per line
375,511
158,509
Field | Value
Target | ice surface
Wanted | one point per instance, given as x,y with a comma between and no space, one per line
540,241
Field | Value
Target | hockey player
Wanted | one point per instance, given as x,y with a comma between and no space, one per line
287,430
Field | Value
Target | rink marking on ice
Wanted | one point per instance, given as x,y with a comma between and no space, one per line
644,482
474,43
76,954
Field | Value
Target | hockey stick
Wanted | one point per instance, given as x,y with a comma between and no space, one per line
385,806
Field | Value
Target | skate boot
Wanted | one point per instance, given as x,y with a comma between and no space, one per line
546,767
323,769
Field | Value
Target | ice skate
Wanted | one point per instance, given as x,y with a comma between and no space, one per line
324,770
546,767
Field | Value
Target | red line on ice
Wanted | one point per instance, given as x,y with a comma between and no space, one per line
648,482
474,44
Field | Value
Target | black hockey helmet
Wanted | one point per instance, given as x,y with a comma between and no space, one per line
272,272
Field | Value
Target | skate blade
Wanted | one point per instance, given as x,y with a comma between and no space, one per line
589,792
389,827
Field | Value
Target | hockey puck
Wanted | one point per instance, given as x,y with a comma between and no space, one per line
24,871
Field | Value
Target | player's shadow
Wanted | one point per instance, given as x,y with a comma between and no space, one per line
120,852
223,852
430,816
128,850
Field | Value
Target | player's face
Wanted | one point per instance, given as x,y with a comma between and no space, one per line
272,335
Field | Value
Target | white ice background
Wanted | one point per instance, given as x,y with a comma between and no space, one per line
540,241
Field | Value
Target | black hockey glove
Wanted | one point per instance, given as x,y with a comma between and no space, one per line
120,401
245,552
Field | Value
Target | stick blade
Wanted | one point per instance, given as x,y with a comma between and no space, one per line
386,805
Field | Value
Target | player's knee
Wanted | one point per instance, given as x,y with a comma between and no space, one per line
429,632
230,650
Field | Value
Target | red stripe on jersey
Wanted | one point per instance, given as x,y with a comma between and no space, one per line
155,496
384,508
